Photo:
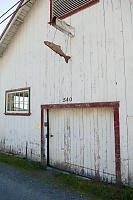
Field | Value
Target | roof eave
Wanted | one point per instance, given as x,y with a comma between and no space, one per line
15,22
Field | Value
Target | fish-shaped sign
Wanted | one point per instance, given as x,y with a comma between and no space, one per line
57,49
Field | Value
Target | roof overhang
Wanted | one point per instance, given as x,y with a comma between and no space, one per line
15,22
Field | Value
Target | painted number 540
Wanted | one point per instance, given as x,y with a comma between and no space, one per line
67,99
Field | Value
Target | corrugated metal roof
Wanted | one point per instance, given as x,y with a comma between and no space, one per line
15,22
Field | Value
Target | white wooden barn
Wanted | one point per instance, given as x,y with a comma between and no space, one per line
76,116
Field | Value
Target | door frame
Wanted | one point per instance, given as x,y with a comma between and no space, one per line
114,105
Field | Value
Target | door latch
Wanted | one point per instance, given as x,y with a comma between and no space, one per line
45,124
51,135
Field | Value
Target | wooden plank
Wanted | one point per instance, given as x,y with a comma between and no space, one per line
88,150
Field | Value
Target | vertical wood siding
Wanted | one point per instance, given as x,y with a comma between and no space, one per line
82,141
100,70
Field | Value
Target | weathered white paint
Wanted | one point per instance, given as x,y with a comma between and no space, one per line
100,69
82,141
14,25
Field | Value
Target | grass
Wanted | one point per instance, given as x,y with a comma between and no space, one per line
93,189
96,190
20,163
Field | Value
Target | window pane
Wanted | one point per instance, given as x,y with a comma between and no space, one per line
26,106
9,97
11,101
26,103
21,94
21,103
8,108
26,94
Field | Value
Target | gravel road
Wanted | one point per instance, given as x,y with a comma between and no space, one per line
14,185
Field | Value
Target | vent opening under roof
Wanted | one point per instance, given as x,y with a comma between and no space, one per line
64,8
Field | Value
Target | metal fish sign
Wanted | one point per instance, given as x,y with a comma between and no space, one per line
57,49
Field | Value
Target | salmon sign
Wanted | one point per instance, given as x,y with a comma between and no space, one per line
57,49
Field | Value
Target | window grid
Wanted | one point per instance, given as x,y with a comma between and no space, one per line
18,101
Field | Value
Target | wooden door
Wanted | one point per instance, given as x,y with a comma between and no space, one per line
82,141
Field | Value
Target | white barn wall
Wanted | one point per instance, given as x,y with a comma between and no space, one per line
100,70
18,130
127,19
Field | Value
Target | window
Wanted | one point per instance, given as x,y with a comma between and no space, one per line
64,8
17,102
